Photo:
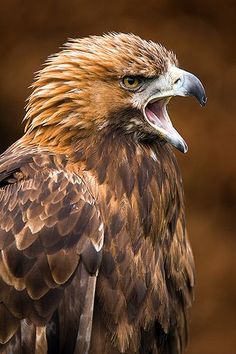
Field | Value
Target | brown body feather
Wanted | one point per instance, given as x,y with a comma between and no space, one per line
94,252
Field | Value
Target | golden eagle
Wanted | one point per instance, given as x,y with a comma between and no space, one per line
94,252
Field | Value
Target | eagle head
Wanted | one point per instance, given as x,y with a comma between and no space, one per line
112,82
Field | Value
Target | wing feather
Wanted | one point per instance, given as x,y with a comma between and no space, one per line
50,227
87,286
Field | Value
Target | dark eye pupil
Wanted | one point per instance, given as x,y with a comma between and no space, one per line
131,80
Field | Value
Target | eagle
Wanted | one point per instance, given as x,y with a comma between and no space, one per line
95,256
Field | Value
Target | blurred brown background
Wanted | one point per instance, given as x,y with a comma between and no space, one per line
201,33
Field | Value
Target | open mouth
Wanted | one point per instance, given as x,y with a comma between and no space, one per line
156,115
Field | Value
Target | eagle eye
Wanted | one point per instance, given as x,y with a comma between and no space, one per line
131,82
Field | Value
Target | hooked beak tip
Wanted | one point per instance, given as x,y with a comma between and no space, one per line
196,89
203,101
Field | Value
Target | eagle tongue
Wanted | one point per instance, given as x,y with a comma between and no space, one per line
157,114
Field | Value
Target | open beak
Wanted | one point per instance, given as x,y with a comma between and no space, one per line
176,82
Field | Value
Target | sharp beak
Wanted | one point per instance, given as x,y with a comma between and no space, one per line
189,85
175,82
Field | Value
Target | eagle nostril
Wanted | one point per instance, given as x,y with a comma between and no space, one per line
177,81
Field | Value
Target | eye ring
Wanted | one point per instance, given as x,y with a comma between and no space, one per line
131,82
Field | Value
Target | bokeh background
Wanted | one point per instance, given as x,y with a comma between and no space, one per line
202,33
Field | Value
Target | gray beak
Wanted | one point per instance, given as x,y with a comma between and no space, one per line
189,85
176,82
